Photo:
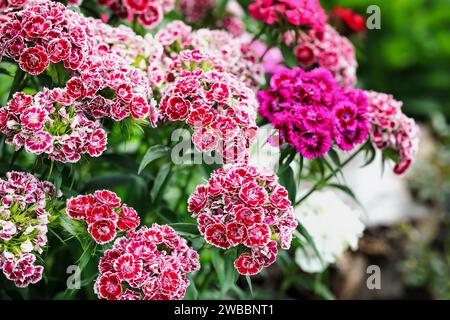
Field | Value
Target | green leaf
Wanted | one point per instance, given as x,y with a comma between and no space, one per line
305,234
5,71
289,57
231,274
67,224
343,188
17,84
218,264
160,181
186,228
348,191
287,180
153,153
335,157
249,282
316,286
191,291
370,154
112,181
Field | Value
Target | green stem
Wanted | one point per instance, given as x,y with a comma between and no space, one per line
50,171
17,82
259,34
183,190
333,173
13,159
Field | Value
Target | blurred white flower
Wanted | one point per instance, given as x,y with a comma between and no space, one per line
26,246
333,225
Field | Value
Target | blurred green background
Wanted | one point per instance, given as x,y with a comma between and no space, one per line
409,56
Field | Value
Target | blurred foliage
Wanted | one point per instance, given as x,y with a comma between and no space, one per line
409,56
427,265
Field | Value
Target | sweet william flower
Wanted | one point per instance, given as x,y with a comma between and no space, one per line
150,263
34,60
305,13
233,209
312,110
392,129
104,214
24,201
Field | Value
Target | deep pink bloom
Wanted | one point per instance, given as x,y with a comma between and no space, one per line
311,111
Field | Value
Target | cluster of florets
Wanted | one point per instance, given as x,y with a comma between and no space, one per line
230,19
24,201
226,53
8,5
150,264
64,123
148,12
234,55
327,49
303,13
311,111
195,10
246,206
392,129
45,32
220,110
47,124
104,214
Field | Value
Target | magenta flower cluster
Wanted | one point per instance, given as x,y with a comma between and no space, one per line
24,201
392,129
227,53
312,111
246,206
148,264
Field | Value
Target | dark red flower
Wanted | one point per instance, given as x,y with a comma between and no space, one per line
103,230
247,265
108,286
215,234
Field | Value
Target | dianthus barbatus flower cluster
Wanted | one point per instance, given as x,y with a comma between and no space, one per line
148,12
42,124
304,13
392,129
327,49
45,32
246,206
24,201
195,10
200,87
150,264
220,111
227,53
104,213
64,122
311,111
